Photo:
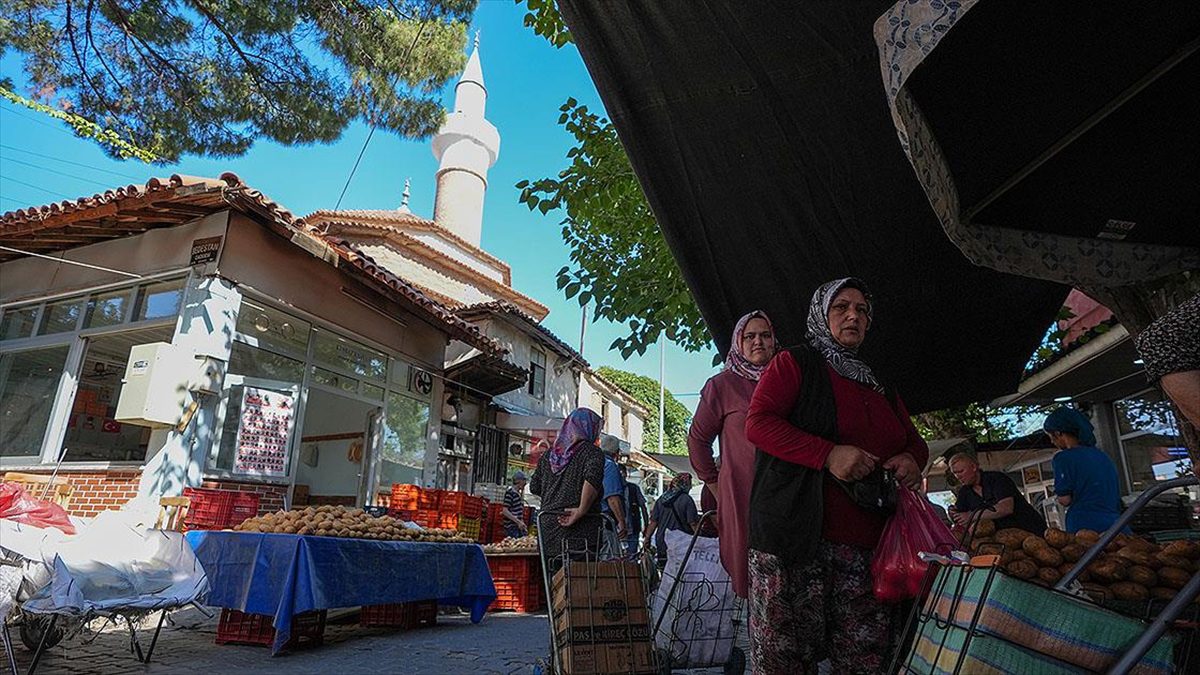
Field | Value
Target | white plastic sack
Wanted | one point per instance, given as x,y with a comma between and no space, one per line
116,563
697,624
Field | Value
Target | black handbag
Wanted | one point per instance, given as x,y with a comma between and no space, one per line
877,492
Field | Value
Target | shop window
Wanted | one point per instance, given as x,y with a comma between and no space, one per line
60,317
28,387
1150,440
106,309
402,457
18,323
254,362
159,300
272,329
537,373
342,354
92,433
335,380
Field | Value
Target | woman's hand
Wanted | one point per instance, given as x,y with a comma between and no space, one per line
850,462
907,471
572,516
961,517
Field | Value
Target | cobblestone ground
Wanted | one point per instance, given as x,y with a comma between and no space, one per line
504,643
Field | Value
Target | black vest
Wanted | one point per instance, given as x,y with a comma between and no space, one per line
787,500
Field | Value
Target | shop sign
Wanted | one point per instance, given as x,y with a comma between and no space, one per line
205,250
264,430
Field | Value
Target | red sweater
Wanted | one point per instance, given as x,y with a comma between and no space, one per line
864,418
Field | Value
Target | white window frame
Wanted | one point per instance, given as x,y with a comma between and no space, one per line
60,410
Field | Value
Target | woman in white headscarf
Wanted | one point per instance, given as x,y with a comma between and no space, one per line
722,414
825,427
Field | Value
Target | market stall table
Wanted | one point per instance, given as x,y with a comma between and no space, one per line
282,575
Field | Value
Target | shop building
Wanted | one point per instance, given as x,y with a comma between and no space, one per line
281,360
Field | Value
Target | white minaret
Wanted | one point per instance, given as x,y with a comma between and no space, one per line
466,146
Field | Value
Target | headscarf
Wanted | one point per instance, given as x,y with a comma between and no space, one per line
1068,420
736,360
581,426
843,359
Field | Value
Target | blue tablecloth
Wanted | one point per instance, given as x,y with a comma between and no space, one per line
286,574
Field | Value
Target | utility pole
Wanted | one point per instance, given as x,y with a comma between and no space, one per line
662,371
582,329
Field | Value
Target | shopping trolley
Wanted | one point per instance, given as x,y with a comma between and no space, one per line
597,581
698,619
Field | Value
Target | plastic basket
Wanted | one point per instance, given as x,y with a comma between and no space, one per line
404,615
473,506
405,497
514,567
470,527
518,596
452,502
245,505
429,500
240,628
210,509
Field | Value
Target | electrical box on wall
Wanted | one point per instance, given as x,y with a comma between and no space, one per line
155,389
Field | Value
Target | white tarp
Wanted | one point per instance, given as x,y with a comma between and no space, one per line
697,627
117,563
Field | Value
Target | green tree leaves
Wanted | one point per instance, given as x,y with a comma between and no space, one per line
210,77
619,260
676,417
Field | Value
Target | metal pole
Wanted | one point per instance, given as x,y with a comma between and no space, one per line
662,372
582,329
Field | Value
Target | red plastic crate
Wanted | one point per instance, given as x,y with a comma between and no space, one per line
519,596
452,502
404,615
429,499
405,497
210,509
403,514
426,518
515,567
245,505
473,506
240,628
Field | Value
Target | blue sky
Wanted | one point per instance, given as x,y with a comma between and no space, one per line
527,81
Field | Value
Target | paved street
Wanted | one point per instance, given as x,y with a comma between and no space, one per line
503,643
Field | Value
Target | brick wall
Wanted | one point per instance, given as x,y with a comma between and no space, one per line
97,491
270,497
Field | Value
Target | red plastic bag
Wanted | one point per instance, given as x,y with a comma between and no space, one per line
17,505
914,528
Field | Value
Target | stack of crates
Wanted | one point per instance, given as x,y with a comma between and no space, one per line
495,521
518,580
462,512
403,615
212,509
240,628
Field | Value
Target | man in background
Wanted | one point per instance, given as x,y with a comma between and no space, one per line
613,502
636,502
514,507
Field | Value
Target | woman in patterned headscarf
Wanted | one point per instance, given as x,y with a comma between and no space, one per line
570,478
721,414
820,413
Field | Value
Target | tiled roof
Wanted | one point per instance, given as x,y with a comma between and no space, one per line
344,228
132,210
379,217
502,307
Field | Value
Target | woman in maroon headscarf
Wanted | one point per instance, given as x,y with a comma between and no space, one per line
570,478
722,414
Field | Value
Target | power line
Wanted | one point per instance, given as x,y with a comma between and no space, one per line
37,121
354,169
67,161
36,187
56,172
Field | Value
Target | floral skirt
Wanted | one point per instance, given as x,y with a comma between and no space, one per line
823,609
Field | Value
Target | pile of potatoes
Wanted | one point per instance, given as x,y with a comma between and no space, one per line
339,521
526,544
1130,568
